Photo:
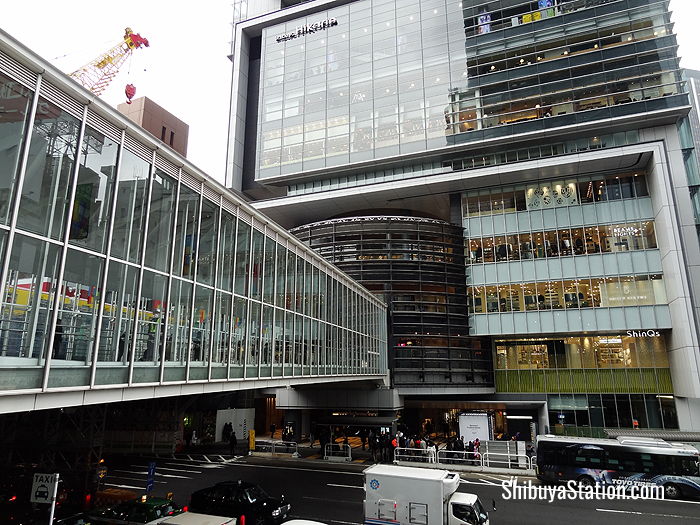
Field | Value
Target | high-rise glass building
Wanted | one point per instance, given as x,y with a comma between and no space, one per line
552,135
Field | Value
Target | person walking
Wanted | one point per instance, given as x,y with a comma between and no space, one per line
233,443
432,452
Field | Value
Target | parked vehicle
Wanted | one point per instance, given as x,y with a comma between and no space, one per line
195,518
303,522
408,495
239,498
136,512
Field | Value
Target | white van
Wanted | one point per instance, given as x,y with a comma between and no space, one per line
193,518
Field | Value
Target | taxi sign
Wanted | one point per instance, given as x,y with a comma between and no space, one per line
43,488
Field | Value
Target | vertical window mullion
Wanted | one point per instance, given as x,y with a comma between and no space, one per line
142,257
48,344
108,250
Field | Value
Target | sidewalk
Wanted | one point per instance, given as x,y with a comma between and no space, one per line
306,451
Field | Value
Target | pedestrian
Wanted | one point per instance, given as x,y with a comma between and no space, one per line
122,344
323,440
233,443
58,341
312,437
383,447
373,445
273,427
432,452
363,437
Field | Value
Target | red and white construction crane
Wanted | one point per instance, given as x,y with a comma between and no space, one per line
98,73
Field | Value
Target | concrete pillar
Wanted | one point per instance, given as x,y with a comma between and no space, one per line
306,422
293,417
543,419
688,409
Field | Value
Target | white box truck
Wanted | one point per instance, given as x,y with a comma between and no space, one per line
418,496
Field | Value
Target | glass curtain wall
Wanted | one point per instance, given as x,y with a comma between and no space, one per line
119,272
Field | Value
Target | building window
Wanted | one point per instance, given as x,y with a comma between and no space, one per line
569,294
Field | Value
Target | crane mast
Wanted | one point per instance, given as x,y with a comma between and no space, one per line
97,74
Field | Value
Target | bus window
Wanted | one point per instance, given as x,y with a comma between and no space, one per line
647,463
685,466
552,453
589,456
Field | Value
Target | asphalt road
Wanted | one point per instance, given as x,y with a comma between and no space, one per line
333,493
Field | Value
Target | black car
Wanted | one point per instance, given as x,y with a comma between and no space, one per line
152,510
238,498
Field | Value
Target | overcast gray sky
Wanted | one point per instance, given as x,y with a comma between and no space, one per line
186,69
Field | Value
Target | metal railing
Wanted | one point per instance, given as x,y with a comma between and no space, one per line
263,446
285,447
412,454
458,457
465,458
337,452
522,461
277,447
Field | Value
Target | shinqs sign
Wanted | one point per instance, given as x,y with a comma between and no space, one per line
308,29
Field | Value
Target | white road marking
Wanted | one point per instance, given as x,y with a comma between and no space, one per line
181,464
205,457
636,513
326,500
493,477
488,482
179,470
112,478
300,469
324,519
123,486
345,486
145,473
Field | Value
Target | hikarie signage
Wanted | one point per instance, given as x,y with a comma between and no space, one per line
308,29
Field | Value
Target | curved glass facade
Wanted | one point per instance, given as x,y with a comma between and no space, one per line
417,266
120,269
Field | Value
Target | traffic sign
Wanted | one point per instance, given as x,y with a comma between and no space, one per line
43,488
150,480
